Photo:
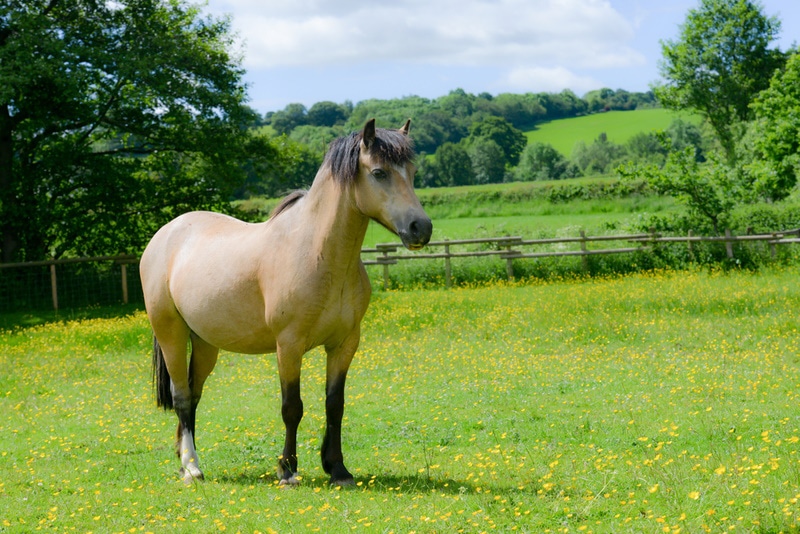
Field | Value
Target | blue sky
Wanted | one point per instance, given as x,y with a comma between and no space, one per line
309,51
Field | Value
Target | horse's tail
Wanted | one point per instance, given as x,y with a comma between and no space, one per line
161,379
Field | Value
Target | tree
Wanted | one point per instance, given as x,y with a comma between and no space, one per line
290,165
452,166
598,157
487,161
720,62
540,161
286,120
708,190
510,140
114,116
327,114
776,135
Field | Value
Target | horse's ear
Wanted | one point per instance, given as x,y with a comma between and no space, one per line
368,134
405,128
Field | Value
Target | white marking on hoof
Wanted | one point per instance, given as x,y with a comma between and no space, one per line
347,482
190,476
292,481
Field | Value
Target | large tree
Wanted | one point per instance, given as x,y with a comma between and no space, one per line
775,135
721,60
114,116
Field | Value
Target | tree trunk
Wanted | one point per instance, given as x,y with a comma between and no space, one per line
8,237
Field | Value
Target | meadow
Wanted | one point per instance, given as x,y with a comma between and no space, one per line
619,126
659,402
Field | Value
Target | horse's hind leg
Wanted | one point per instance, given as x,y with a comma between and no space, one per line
202,362
172,335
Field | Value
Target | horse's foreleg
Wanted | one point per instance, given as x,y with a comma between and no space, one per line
289,363
339,359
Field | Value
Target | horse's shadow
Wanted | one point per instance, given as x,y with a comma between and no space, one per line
399,484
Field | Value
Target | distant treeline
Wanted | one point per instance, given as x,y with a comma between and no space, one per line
447,118
471,138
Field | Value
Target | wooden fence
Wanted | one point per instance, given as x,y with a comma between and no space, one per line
509,248
512,248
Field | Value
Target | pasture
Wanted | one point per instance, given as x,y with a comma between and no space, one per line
619,126
661,402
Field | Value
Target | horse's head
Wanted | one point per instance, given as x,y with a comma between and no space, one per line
384,185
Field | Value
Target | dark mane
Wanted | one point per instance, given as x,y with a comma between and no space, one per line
287,202
390,146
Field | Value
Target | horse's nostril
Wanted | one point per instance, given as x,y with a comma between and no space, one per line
421,229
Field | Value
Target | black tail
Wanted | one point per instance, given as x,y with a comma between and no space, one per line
161,379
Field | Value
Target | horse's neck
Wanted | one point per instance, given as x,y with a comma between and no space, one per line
339,228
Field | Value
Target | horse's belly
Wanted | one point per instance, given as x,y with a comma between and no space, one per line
245,336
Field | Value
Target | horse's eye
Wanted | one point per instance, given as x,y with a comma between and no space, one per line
379,174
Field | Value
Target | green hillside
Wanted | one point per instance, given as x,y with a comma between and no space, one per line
619,126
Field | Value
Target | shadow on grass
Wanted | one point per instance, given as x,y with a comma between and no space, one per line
398,484
28,319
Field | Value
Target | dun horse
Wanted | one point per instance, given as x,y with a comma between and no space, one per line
286,285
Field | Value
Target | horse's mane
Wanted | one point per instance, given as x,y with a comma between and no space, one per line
287,202
390,146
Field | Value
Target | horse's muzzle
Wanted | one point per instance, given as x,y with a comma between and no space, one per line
417,233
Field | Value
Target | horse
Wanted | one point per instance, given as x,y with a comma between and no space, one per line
286,285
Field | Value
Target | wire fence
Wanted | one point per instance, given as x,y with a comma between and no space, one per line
69,283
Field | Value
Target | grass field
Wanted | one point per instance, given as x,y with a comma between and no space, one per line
651,403
619,126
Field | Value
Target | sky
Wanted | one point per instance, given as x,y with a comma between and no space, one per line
309,51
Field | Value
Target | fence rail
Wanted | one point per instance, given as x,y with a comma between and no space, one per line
508,248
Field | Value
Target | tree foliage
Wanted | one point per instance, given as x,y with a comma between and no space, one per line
540,161
708,190
775,135
510,140
452,166
114,116
721,60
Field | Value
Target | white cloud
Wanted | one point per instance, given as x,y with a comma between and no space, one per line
573,34
549,80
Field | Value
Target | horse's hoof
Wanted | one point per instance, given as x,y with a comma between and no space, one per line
190,478
344,482
290,482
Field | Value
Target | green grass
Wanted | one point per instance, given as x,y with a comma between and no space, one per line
619,126
651,403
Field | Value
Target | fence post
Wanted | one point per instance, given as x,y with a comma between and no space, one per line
385,273
509,264
124,283
728,243
448,280
54,286
691,248
584,259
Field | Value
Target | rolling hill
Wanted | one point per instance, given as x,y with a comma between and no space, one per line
619,126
